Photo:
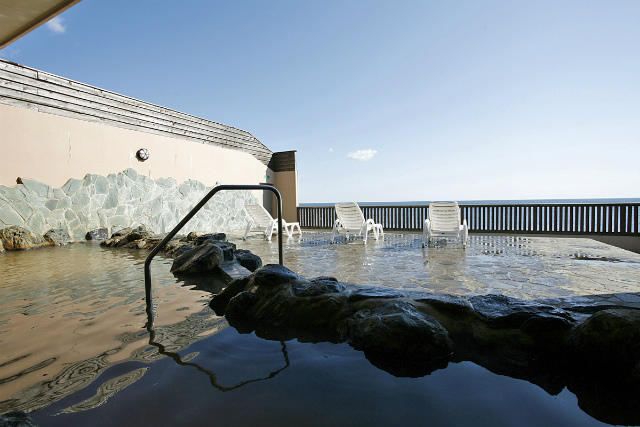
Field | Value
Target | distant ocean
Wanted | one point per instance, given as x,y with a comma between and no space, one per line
491,202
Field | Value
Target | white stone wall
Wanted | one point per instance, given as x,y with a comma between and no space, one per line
119,200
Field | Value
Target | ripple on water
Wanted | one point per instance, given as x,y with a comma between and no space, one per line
68,313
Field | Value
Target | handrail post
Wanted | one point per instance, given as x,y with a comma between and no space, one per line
157,248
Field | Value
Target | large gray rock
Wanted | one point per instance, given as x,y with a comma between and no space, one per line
97,234
57,237
273,275
399,337
175,248
136,238
15,238
220,301
610,339
505,312
248,260
276,303
412,333
203,258
209,237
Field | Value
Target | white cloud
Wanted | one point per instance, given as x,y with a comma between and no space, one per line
56,25
331,149
362,155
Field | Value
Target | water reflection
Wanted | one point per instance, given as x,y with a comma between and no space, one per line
62,332
519,267
67,314
185,361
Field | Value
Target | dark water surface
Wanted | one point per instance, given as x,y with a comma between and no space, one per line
323,384
74,351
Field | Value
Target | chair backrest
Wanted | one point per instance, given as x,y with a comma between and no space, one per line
350,215
259,215
444,216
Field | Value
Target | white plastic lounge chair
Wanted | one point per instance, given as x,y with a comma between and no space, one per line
261,220
351,220
444,221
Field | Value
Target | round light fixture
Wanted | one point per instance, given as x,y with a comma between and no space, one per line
142,154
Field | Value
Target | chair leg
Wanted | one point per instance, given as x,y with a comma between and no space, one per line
333,232
288,229
364,232
246,231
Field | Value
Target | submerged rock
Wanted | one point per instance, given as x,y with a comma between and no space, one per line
214,237
16,419
248,260
15,238
175,248
131,238
58,237
201,258
195,254
595,355
97,234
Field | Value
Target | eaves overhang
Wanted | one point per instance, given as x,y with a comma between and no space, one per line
18,17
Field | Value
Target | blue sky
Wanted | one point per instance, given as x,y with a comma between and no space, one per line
384,101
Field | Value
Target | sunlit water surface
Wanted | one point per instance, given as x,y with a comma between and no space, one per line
74,350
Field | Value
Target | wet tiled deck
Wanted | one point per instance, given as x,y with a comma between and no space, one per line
574,270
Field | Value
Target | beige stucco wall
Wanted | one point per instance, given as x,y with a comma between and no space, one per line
52,149
287,184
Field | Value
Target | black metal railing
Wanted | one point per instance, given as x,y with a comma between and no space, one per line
157,248
620,219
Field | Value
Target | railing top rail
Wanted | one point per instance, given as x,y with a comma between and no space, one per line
488,205
550,204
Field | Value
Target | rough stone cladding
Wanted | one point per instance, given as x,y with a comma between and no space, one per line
119,200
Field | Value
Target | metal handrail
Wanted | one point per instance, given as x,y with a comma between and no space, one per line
157,248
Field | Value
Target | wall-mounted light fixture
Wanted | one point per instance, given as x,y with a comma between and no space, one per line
142,154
